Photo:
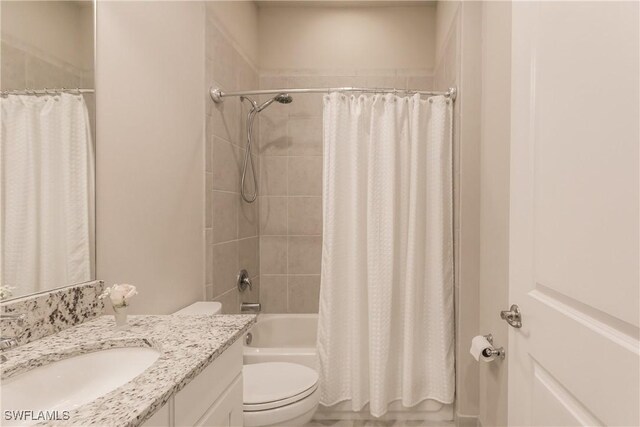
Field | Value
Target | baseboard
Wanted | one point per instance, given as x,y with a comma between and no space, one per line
466,420
427,411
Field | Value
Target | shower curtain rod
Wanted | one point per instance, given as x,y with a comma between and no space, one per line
218,95
44,91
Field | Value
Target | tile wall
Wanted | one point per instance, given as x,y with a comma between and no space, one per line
23,67
231,225
291,181
26,68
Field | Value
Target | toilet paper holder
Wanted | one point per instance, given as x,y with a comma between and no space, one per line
498,352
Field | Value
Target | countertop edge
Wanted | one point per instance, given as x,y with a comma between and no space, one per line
188,377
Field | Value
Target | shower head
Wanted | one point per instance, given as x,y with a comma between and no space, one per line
282,98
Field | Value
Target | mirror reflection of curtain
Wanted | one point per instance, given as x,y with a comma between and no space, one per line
46,160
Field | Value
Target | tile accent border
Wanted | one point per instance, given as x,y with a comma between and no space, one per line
49,312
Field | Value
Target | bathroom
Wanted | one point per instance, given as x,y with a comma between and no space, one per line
320,213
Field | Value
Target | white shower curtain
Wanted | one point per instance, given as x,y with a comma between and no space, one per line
386,331
47,184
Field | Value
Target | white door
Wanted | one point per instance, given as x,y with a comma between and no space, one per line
574,214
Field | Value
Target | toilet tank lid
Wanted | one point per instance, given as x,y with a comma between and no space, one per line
202,307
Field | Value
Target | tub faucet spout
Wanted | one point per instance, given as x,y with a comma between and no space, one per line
250,307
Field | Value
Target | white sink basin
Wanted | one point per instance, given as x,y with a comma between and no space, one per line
69,383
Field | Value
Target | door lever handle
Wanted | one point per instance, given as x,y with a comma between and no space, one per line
512,316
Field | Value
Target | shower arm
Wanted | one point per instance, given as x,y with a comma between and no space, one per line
217,95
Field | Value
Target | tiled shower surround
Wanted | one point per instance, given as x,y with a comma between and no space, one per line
24,68
278,238
291,181
231,225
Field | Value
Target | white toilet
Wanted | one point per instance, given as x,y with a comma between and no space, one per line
275,393
279,394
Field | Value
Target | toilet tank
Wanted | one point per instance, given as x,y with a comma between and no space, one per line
201,307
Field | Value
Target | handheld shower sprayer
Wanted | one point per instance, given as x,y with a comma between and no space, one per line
282,98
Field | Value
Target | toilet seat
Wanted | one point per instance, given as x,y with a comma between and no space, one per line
279,394
274,385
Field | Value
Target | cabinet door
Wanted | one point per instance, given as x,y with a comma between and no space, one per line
162,418
193,401
227,410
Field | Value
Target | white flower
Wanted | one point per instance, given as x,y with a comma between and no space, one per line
120,294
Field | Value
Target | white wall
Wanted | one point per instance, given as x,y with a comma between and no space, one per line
150,150
238,21
469,243
446,14
459,64
346,37
494,202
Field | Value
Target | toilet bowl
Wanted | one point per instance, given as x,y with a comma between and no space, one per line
279,394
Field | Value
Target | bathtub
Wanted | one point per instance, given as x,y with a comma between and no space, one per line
283,338
292,338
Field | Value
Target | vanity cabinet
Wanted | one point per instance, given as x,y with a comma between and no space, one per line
227,411
212,398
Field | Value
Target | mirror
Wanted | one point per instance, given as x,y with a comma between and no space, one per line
47,145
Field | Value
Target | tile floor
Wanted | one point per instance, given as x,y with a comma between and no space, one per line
375,423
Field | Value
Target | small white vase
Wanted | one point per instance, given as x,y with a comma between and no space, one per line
120,314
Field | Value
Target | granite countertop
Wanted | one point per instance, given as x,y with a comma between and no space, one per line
187,343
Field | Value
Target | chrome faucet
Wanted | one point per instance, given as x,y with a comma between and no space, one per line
7,343
250,307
